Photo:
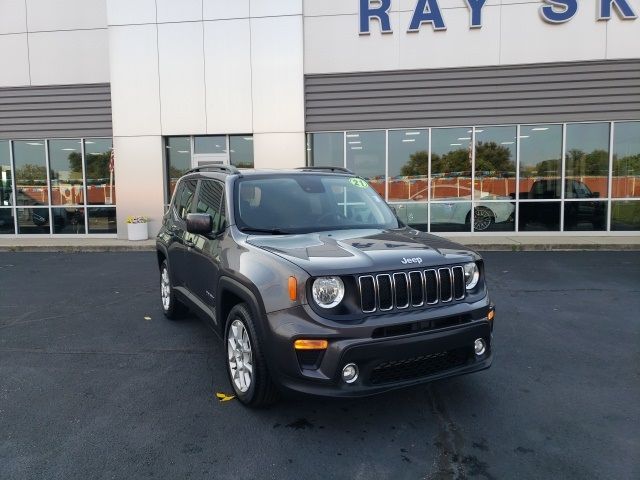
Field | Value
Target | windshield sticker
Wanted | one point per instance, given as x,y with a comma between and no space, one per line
358,182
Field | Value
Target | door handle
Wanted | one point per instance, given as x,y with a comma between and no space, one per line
189,244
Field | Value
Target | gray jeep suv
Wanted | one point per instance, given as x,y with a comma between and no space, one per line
315,285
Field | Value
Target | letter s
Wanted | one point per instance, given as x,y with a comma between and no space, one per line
550,15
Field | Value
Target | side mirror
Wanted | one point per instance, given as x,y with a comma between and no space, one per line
595,194
199,223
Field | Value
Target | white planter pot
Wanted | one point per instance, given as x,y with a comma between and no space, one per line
137,231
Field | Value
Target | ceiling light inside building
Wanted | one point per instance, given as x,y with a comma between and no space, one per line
456,144
68,149
408,140
413,133
353,135
356,148
354,143
35,144
507,143
540,129
464,138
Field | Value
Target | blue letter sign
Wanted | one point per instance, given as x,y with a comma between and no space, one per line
432,15
381,12
549,14
476,12
623,8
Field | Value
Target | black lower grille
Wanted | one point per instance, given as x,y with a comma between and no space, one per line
416,367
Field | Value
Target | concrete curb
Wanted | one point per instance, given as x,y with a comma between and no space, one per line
76,248
554,247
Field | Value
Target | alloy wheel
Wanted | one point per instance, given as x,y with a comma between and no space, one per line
165,289
240,356
482,219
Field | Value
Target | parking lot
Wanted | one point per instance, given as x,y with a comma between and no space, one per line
95,383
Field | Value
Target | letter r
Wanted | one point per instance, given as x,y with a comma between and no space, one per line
381,12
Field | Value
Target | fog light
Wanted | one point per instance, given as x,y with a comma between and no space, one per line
479,346
350,373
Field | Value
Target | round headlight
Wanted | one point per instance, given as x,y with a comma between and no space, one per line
327,291
471,275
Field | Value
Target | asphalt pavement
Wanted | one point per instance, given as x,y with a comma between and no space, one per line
96,383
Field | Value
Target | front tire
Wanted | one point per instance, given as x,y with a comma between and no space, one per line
246,365
171,306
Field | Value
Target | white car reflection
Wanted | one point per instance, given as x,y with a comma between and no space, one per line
457,211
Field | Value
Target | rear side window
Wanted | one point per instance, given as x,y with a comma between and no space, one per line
184,198
210,200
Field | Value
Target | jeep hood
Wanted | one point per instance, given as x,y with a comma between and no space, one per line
356,251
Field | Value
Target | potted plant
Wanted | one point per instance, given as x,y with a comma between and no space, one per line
137,228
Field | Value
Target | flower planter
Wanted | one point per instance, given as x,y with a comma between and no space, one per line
137,231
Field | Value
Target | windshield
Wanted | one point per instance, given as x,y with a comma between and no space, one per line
309,203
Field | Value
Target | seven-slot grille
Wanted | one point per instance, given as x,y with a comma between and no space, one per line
400,290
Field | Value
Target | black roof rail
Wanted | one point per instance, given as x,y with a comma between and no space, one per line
220,168
326,169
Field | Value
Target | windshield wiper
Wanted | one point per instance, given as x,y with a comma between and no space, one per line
271,231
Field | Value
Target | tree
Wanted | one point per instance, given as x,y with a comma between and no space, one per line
30,174
595,163
492,157
417,165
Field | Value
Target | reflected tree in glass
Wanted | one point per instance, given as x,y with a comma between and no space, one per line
100,171
450,164
408,165
626,160
587,160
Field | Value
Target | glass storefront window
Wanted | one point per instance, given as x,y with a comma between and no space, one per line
68,220
178,154
325,149
450,164
414,214
33,221
540,161
451,216
539,216
625,216
6,182
65,172
99,168
102,220
587,160
241,151
6,221
366,154
495,165
31,173
626,160
494,217
585,216
408,165
210,144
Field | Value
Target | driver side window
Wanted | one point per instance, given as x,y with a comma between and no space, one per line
210,200
184,198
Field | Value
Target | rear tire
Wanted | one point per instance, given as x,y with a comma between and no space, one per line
171,306
246,365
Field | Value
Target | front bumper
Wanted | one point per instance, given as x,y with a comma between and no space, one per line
385,363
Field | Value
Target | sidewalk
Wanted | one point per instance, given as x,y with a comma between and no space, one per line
482,243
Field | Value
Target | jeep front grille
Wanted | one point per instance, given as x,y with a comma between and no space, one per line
400,290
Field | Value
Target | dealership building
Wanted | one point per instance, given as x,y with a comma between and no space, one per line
477,116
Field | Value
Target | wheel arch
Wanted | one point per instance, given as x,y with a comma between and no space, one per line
232,292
